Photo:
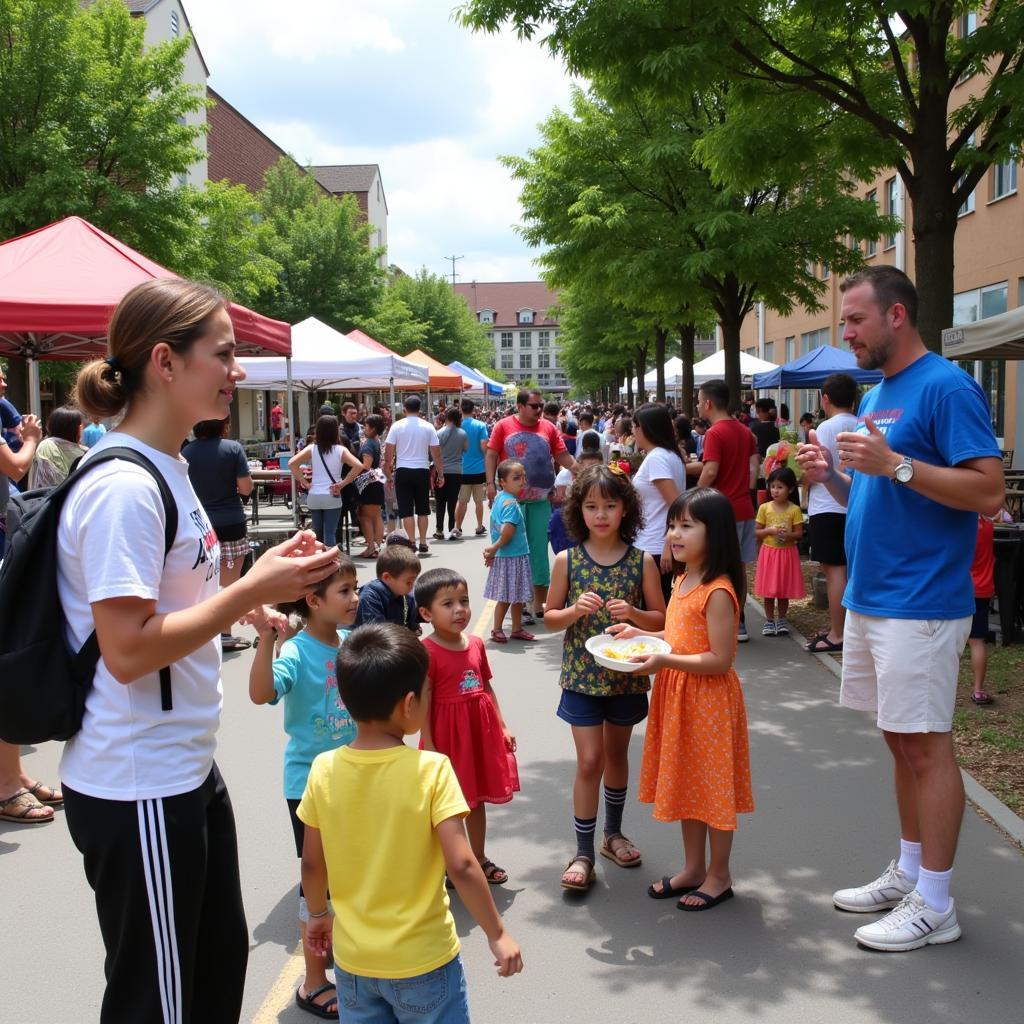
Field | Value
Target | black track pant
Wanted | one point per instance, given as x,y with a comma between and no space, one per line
169,902
447,498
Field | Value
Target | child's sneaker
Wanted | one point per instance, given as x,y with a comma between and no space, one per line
768,629
911,925
781,627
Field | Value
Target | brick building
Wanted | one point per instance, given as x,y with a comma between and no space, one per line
516,317
362,181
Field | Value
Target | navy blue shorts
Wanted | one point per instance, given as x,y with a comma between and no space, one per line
583,709
979,625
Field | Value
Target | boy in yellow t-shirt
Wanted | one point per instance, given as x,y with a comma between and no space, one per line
384,822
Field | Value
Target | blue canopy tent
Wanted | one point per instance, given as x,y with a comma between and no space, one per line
812,368
488,386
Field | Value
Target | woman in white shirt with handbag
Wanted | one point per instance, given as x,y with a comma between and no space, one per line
327,457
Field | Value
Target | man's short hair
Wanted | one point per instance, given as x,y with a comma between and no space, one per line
396,560
468,406
347,405
716,392
377,666
552,408
432,582
412,403
764,405
586,419
890,285
841,390
523,398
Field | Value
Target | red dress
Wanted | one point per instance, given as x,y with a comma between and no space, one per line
464,723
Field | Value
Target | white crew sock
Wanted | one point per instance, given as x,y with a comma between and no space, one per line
910,859
934,888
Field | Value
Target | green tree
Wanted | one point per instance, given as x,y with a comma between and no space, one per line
91,123
321,245
452,331
891,77
393,324
617,194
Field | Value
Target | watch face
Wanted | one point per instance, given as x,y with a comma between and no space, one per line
904,473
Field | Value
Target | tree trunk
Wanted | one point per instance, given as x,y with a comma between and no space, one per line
731,324
934,227
687,339
629,387
660,334
641,369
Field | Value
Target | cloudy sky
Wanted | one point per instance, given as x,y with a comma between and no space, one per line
401,85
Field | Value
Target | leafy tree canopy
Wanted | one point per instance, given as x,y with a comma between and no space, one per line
91,124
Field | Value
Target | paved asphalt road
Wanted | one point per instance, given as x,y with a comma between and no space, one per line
777,953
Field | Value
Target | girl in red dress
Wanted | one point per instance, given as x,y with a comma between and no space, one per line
464,719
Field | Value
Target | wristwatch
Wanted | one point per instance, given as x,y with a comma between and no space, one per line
904,472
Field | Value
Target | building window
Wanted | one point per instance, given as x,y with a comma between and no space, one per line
826,273
506,339
872,245
525,361
769,351
544,360
543,378
790,349
979,303
525,340
175,27
993,300
487,316
1004,178
526,316
967,24
506,360
814,339
554,358
892,200
543,339
993,383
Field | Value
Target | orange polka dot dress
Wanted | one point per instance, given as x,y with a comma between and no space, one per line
696,762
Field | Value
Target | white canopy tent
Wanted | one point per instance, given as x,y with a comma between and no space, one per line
711,368
997,337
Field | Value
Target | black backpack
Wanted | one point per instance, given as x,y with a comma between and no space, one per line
43,682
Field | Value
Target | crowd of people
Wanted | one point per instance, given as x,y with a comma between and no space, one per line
652,519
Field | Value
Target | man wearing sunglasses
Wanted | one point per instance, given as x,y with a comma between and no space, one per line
535,442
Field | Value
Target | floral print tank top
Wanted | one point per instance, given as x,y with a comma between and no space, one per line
624,580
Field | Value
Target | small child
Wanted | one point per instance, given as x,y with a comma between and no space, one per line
696,761
464,720
383,824
315,718
603,579
389,598
557,535
509,582
983,577
779,525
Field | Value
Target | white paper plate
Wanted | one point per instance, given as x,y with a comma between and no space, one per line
597,645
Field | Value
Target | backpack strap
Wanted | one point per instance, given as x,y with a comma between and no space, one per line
136,458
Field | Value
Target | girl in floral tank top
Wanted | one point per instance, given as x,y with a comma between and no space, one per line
600,581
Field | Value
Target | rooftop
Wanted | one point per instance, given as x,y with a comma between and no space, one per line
506,298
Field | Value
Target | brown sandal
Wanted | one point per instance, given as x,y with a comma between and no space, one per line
493,874
47,795
589,874
609,851
18,807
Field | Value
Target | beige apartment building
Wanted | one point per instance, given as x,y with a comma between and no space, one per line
989,279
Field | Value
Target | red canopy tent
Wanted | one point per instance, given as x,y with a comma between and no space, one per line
372,343
60,284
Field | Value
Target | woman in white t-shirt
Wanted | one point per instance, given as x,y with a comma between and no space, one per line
145,803
660,479
327,457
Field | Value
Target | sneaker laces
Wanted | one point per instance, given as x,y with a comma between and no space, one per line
908,907
888,877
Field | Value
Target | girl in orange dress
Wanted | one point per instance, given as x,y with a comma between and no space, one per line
696,761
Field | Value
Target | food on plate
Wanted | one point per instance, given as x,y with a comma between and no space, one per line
626,652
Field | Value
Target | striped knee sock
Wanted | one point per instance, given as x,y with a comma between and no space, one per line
585,829
614,802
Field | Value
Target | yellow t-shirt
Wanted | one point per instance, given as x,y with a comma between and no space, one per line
376,811
767,516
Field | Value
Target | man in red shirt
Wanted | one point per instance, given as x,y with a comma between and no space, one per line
276,421
535,442
731,465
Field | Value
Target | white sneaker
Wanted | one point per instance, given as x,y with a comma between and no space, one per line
911,925
742,636
768,629
781,627
886,891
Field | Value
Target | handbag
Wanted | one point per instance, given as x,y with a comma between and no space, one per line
370,476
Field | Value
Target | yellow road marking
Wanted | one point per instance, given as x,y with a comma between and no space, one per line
282,991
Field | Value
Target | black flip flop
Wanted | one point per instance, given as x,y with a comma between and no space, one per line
978,697
822,645
306,1003
667,892
707,901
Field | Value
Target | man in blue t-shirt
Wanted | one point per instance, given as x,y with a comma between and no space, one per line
474,475
914,475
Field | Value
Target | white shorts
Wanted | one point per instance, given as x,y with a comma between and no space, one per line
905,670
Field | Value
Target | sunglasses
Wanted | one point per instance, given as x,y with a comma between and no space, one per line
535,406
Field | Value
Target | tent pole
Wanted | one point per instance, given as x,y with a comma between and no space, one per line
391,407
295,440
35,402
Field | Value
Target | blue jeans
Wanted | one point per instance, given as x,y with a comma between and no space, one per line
438,997
325,524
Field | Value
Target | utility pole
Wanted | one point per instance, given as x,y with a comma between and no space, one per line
451,260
